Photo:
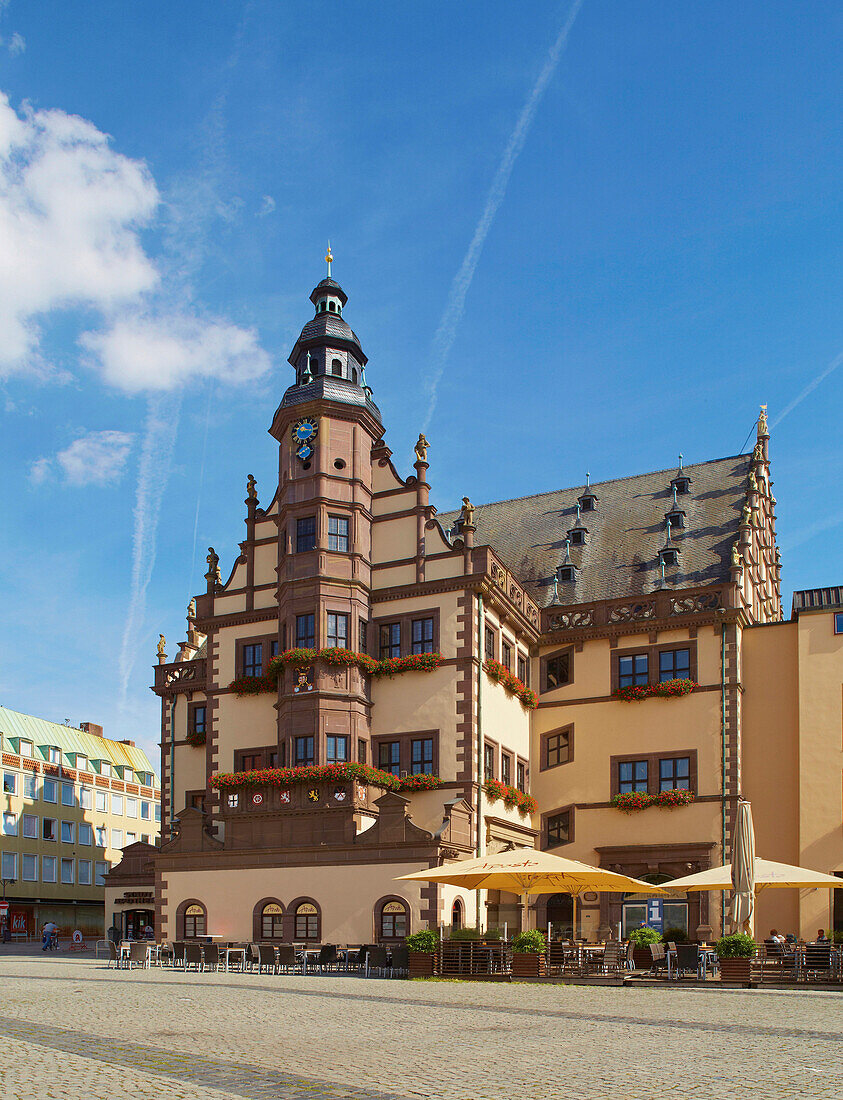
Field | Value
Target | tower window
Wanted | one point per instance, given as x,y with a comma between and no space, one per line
669,557
332,307
336,367
338,533
354,375
577,536
567,573
305,534
676,519
681,484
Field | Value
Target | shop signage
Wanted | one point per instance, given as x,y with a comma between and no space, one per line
655,916
18,922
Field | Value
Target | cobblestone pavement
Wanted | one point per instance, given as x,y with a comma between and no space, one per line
73,1028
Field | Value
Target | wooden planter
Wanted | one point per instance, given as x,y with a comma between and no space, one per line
734,970
421,964
528,966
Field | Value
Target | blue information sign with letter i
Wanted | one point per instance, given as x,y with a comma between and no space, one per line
655,918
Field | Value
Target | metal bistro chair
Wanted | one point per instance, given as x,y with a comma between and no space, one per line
138,956
113,954
253,956
400,961
210,956
178,953
817,965
660,960
376,960
688,960
286,960
193,956
328,957
614,958
356,960
266,959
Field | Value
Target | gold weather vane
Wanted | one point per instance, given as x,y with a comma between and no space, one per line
329,259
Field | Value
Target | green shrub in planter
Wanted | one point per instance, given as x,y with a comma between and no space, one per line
531,942
737,946
643,937
492,935
675,935
427,940
466,934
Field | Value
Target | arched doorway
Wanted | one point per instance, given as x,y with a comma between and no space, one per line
456,914
560,916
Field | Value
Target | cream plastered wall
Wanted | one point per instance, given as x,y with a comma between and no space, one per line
505,721
427,808
189,771
250,722
346,895
436,569
416,701
473,906
392,578
820,760
394,539
266,560
770,743
400,502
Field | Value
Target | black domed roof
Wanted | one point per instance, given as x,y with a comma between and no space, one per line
328,286
327,328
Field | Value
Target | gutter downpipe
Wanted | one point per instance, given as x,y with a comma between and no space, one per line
172,763
723,768
481,847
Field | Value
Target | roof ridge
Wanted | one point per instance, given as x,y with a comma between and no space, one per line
608,481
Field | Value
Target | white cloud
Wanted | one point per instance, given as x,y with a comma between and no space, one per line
16,44
96,458
141,353
267,206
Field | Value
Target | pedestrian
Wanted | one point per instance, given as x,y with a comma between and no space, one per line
48,931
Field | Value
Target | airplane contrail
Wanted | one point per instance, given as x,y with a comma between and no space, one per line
162,421
821,377
446,332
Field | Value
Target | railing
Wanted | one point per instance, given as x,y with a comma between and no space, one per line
486,561
180,676
609,613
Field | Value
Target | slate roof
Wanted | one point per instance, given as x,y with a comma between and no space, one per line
331,389
328,326
625,533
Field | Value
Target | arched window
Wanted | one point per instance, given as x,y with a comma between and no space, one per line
272,921
332,307
393,925
354,375
195,921
336,367
307,921
456,914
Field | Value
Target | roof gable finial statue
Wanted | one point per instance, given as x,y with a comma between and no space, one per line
251,487
159,649
421,448
762,422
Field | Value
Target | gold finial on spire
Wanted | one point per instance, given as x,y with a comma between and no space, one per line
329,259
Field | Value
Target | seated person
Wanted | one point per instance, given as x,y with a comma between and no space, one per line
821,936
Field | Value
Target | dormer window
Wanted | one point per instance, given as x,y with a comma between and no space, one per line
24,748
566,573
53,754
682,484
675,519
577,536
587,502
669,556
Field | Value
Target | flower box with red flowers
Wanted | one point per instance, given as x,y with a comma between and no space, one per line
668,689
510,796
633,801
508,680
286,777
338,658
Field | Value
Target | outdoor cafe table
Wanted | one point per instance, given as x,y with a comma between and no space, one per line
231,952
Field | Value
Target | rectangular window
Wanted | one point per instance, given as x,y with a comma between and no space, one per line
363,632
131,807
557,671
361,751
86,834
253,660
489,644
30,786
86,798
389,757
54,755
337,631
102,836
250,761
422,636
81,762
10,783
157,811
117,804
105,767
48,868
24,748
305,534
84,872
102,802
303,751
675,774
67,871
674,664
30,826
100,871
506,655
29,868
838,623
116,838
10,824
68,796
421,756
49,828
521,777
559,829
336,749
633,671
390,644
145,811
557,748
67,832
506,769
131,838
522,672
197,720
489,761
273,648
338,533
632,776
9,865
305,631
128,775
50,791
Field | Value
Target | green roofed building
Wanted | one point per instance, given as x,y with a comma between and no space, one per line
73,800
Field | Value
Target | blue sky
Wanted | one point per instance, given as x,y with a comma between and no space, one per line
609,246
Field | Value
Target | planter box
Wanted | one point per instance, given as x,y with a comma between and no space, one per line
421,964
734,970
528,966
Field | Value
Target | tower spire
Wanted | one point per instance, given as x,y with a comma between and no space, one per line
329,259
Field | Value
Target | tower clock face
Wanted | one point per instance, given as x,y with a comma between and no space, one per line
304,433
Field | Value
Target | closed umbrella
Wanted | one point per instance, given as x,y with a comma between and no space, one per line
529,871
742,905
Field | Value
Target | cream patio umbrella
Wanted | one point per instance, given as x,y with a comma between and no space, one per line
527,871
742,905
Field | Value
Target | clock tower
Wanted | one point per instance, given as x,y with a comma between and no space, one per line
326,426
